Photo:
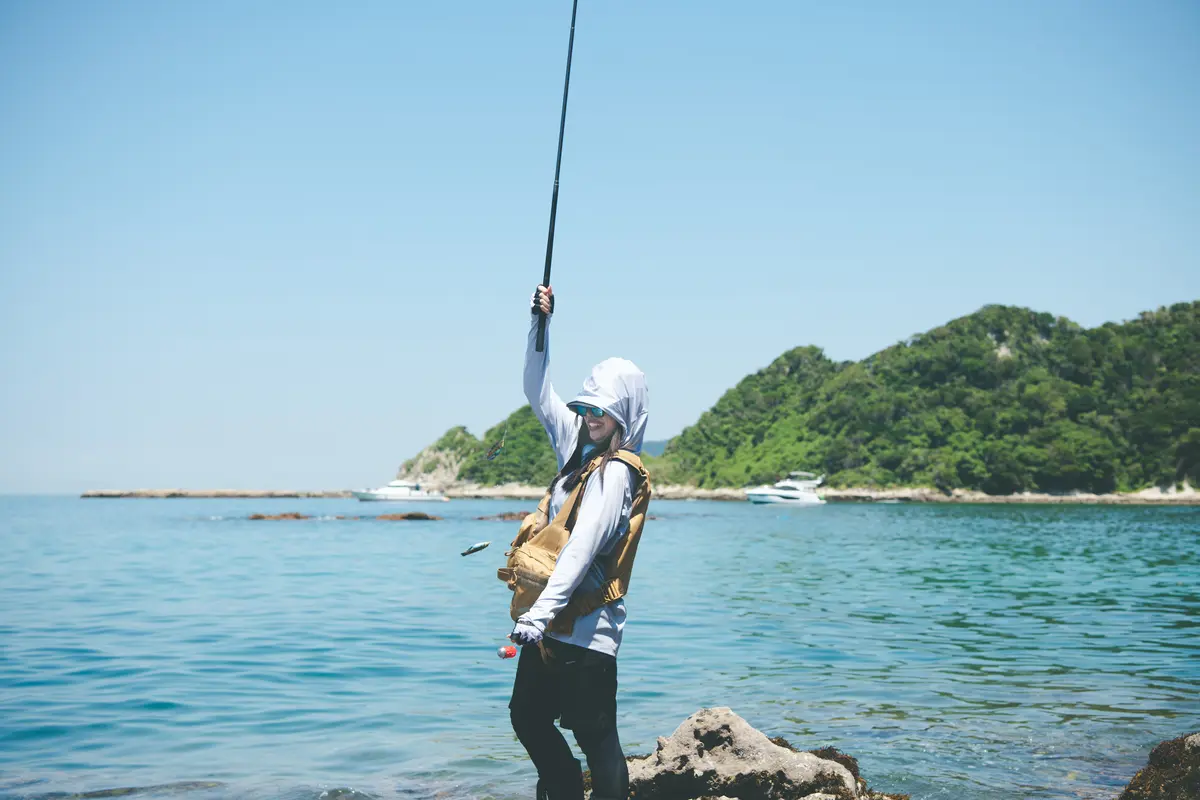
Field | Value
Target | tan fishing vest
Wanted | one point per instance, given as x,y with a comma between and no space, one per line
535,551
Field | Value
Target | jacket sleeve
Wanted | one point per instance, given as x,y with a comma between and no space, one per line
598,523
559,421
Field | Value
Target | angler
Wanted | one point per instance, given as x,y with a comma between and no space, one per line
570,568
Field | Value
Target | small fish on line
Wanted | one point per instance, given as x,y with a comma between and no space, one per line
475,548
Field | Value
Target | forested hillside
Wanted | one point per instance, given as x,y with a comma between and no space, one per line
1003,400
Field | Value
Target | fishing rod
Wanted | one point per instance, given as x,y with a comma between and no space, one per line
562,127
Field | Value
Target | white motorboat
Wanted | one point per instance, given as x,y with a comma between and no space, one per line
399,490
798,489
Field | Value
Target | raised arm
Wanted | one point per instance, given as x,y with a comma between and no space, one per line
561,424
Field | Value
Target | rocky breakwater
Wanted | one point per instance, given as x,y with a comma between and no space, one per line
503,491
1187,496
716,754
520,491
252,494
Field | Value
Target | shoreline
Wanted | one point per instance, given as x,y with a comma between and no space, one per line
513,491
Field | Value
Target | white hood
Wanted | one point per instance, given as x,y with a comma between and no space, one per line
619,387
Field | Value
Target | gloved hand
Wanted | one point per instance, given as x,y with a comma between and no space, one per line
526,633
542,300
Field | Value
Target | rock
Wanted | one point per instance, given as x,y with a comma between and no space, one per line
832,754
1173,772
418,515
715,753
409,515
508,516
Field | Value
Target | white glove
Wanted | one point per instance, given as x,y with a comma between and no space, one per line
526,633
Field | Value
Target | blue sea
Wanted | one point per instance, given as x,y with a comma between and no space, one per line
955,651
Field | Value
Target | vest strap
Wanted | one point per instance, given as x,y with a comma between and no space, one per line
616,587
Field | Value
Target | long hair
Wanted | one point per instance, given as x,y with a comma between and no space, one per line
572,470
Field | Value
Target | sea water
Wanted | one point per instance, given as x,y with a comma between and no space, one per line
955,651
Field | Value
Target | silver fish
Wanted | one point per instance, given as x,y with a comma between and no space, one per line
475,548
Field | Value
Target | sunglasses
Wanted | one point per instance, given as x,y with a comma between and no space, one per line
585,411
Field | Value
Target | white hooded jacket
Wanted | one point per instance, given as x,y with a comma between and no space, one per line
619,387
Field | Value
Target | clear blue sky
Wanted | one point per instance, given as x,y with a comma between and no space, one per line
286,245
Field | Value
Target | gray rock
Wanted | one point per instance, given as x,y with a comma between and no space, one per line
716,753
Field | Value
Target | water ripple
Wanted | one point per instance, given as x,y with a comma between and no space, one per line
179,649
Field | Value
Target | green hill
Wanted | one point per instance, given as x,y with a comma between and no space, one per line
1003,400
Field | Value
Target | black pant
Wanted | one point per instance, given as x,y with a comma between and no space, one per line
580,686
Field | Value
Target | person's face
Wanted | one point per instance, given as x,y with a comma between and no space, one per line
599,428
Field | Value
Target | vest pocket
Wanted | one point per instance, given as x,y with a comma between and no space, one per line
528,571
